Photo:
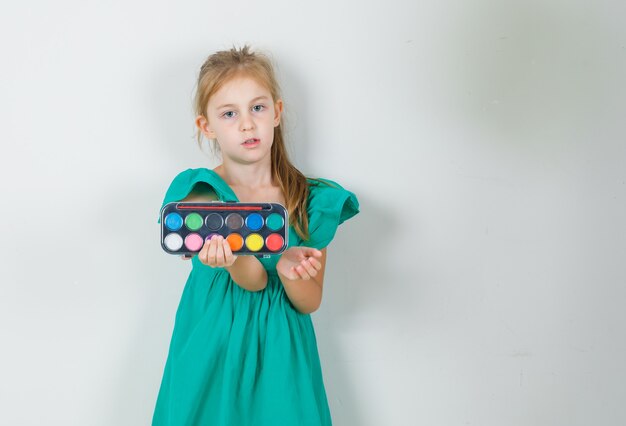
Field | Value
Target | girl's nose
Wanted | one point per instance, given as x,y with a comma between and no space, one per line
246,123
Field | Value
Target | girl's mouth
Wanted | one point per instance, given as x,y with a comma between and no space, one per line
251,142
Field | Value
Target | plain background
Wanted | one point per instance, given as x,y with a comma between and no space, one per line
481,284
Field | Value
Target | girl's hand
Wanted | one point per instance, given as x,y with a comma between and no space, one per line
299,263
216,252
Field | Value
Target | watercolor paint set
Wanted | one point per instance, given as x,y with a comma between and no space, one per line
250,228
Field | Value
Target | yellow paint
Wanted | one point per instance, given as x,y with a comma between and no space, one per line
254,242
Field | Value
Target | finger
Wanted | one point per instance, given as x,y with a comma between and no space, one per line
303,273
212,250
316,263
313,252
219,255
309,268
203,253
228,254
294,273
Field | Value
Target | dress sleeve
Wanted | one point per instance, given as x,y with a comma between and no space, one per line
329,205
183,184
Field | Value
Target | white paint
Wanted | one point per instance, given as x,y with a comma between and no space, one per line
173,241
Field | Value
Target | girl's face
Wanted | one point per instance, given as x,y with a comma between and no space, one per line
241,115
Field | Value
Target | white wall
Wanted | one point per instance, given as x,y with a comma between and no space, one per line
483,281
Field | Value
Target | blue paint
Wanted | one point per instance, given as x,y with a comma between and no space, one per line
173,221
254,221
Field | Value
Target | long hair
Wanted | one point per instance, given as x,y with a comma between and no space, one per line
221,67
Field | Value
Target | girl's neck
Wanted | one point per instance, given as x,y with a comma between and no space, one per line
250,176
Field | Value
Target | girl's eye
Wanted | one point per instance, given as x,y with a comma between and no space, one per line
256,108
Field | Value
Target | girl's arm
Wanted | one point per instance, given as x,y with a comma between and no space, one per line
301,270
248,272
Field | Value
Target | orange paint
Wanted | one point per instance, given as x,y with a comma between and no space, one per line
235,241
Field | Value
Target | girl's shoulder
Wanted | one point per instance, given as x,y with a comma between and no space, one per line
324,187
203,179
317,181
194,175
329,205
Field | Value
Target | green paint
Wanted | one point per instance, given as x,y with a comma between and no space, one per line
193,221
274,221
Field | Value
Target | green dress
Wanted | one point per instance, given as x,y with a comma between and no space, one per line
247,358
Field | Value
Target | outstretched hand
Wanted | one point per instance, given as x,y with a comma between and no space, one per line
216,252
299,263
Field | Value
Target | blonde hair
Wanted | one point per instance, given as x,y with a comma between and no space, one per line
221,67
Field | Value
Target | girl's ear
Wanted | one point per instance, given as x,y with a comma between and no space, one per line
278,109
203,124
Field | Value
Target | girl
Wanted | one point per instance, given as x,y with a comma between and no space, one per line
243,349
